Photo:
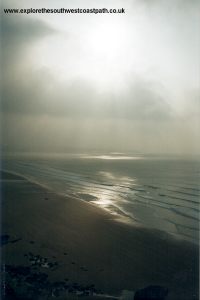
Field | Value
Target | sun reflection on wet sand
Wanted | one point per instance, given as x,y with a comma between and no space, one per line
104,199
112,194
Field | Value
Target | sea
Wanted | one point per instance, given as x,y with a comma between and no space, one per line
153,191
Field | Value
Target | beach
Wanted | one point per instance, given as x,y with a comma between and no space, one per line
100,150
79,249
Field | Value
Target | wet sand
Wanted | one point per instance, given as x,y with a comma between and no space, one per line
76,248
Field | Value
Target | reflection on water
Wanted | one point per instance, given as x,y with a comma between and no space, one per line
103,200
111,157
156,193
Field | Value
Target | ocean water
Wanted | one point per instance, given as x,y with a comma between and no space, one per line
152,191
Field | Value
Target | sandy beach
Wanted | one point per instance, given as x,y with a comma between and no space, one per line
81,250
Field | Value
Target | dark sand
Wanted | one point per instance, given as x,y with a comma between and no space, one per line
83,248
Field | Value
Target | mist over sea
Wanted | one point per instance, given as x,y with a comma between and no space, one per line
152,191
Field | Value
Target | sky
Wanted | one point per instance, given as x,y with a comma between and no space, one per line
105,82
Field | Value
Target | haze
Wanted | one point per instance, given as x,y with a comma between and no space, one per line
124,82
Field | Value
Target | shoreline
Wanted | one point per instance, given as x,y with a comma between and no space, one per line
91,246
117,216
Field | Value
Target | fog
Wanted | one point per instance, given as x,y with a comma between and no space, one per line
112,82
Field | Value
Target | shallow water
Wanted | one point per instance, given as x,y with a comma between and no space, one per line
156,192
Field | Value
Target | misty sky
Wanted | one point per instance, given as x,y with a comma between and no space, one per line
124,82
